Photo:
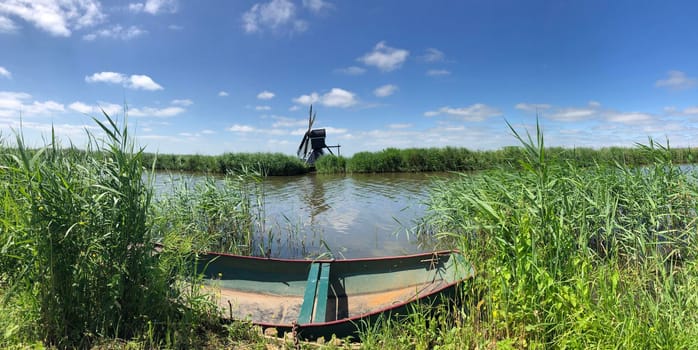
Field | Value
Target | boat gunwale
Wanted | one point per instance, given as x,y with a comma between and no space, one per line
365,315
333,260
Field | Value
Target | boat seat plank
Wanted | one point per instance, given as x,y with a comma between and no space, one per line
309,295
322,293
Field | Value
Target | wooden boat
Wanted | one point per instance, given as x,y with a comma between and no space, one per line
325,297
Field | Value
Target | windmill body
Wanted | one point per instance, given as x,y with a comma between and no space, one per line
313,143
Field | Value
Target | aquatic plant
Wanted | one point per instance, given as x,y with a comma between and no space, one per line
268,164
331,164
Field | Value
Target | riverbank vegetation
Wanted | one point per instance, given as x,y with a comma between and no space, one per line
78,261
397,160
268,164
603,256
462,159
569,254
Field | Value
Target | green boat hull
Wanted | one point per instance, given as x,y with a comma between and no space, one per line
325,297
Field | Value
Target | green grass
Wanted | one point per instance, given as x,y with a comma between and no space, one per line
602,256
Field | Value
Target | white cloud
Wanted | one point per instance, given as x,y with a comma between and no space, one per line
384,57
385,90
57,17
307,99
156,112
631,118
399,126
676,80
284,122
532,107
136,7
335,131
222,93
438,72
336,97
43,108
14,104
112,109
298,132
317,5
80,107
175,27
274,15
109,108
183,102
242,128
207,132
154,7
265,95
106,77
116,32
136,81
432,55
5,73
7,26
262,108
143,82
12,100
473,113
352,70
691,110
572,114
594,104
83,108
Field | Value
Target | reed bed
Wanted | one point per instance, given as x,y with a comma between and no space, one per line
462,159
268,164
602,256
224,215
78,261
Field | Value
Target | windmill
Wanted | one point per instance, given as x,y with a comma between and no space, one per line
313,144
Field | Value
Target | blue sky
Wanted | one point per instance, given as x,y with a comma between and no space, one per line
209,77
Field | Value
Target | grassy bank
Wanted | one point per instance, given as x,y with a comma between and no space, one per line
462,159
568,257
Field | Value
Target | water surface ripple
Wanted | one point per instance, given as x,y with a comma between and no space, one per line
351,215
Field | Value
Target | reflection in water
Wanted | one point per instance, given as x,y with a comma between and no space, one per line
352,215
314,195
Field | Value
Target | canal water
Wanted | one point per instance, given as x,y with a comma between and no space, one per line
341,216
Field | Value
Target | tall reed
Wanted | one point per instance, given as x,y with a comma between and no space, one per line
569,256
80,248
224,215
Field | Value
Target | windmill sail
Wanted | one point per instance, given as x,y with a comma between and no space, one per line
304,147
